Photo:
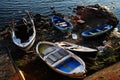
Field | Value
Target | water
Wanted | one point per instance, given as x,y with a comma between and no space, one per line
16,8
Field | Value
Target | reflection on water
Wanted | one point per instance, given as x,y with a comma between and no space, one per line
15,8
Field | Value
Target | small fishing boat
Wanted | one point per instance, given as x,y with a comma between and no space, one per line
60,60
23,35
96,31
74,47
62,24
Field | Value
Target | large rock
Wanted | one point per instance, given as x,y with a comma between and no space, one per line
90,12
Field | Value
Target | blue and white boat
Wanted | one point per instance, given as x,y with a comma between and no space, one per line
96,31
60,60
62,24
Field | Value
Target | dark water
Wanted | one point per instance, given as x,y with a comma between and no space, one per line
16,8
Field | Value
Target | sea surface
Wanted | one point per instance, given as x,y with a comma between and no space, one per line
16,8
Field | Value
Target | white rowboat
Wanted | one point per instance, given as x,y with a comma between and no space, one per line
23,35
60,60
74,47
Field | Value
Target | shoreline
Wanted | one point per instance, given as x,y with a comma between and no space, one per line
28,62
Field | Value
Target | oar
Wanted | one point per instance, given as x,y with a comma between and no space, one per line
19,73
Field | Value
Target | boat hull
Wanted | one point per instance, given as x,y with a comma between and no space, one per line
27,48
75,65
23,37
75,48
97,31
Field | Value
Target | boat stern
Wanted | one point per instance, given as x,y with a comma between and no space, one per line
79,72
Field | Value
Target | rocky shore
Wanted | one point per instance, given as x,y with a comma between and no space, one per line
35,69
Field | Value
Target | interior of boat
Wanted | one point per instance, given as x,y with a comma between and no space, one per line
58,55
23,31
68,65
58,58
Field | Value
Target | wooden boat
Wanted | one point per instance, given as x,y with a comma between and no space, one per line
96,31
62,24
23,35
74,47
60,60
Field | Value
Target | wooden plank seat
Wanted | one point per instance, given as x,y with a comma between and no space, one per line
91,33
48,50
63,24
98,30
54,57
